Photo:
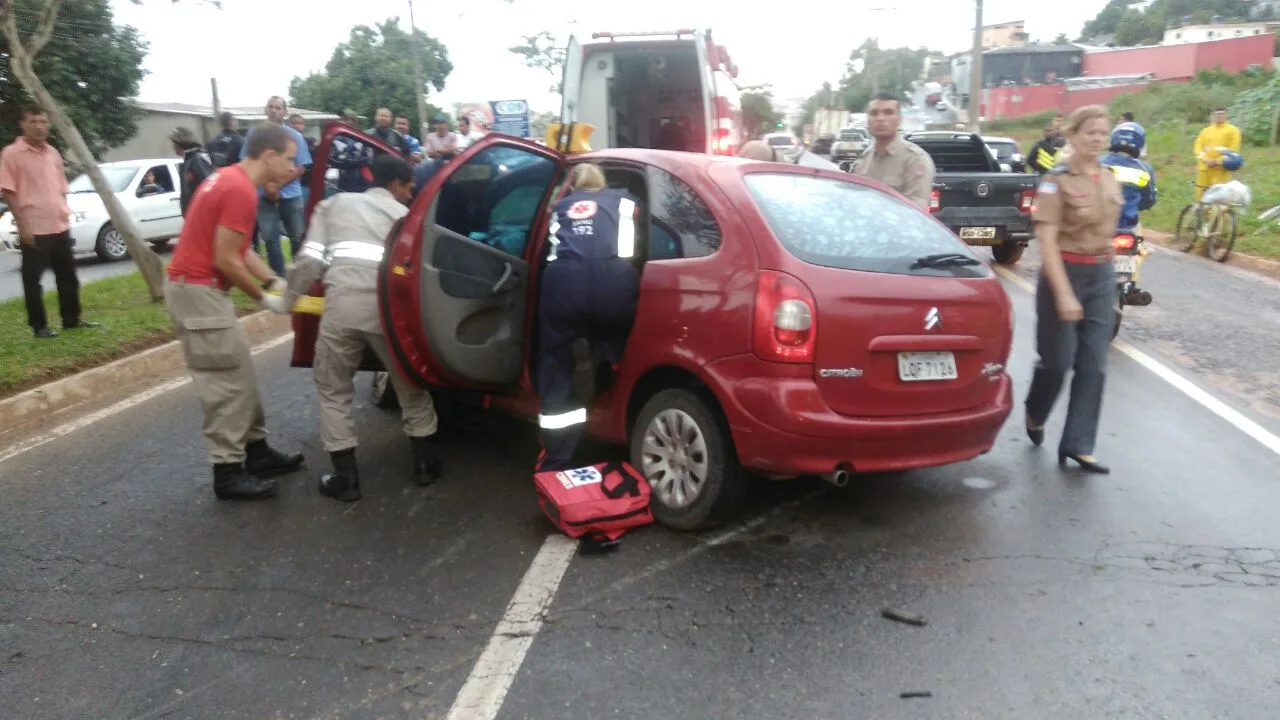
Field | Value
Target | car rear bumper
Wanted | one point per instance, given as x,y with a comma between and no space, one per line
781,426
1010,223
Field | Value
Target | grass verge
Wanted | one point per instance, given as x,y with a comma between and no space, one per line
131,322
1169,152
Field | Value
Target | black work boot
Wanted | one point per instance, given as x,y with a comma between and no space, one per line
232,482
344,482
263,461
427,465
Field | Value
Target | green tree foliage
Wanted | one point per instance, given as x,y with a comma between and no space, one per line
373,69
1257,112
1137,27
541,52
870,69
759,115
91,65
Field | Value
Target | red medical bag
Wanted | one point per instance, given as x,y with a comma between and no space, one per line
598,501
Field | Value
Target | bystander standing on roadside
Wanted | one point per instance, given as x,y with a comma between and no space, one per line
224,148
212,257
414,145
282,214
196,164
466,135
34,184
299,123
383,130
442,145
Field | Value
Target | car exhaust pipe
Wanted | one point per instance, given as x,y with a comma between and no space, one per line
838,477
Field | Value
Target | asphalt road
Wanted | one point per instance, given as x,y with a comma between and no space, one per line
127,591
88,267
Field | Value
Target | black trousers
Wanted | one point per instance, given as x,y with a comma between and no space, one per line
51,252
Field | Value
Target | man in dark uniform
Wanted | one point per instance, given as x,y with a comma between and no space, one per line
1044,154
588,303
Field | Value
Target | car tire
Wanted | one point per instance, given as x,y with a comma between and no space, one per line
689,423
110,245
1008,253
382,393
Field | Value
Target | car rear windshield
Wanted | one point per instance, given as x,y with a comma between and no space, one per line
841,224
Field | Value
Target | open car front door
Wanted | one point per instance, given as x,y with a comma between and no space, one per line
347,153
455,289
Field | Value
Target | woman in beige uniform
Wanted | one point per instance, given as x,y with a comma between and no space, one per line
1077,207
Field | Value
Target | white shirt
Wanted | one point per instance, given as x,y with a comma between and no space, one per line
465,141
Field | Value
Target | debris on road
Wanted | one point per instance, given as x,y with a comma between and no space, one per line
904,616
915,694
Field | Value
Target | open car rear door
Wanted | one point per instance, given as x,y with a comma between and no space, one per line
347,153
455,289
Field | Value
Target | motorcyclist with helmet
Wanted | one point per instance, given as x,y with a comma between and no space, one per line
1137,178
1217,150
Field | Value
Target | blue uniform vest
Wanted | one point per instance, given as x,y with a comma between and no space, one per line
1138,182
594,225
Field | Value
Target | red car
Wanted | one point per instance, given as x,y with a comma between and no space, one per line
791,321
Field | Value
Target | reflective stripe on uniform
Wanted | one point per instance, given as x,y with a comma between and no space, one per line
563,420
356,250
313,250
1131,175
626,228
555,241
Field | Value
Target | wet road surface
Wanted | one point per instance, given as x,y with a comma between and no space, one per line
88,267
127,591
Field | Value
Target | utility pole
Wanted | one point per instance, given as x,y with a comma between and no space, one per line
419,90
217,111
975,72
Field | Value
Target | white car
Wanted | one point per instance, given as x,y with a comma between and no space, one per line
785,144
157,214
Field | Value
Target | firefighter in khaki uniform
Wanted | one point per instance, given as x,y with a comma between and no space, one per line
213,256
901,165
345,244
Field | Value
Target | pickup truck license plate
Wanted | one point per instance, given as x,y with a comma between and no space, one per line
978,233
917,366
1127,264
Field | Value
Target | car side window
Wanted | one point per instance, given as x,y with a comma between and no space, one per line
494,198
681,224
163,178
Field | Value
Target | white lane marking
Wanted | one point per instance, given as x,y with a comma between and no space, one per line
1188,388
482,695
131,401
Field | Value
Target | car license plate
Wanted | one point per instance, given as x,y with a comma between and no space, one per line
1127,264
917,366
978,233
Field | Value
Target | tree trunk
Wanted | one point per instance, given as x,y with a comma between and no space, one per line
146,259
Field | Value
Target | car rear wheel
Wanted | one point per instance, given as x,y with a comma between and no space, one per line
111,246
682,446
1008,253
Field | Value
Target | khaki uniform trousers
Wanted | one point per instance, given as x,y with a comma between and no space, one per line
221,368
339,350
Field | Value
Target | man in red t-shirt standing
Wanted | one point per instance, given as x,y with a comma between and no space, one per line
212,257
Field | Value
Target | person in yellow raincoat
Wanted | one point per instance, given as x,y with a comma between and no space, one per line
1208,148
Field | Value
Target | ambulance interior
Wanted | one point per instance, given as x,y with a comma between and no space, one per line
644,97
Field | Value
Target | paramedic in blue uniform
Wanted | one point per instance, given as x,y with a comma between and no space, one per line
1137,178
588,303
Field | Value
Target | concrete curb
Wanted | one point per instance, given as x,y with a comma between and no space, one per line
42,402
1270,268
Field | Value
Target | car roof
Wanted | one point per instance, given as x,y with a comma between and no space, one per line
666,159
994,138
138,163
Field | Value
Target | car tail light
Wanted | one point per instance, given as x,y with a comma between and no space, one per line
785,319
935,201
1027,200
1124,241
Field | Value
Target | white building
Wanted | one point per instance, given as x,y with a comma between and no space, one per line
1218,31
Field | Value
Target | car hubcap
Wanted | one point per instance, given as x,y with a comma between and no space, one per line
674,458
115,244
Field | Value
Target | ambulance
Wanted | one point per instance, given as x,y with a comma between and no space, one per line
661,90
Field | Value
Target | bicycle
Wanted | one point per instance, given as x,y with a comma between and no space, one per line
1215,224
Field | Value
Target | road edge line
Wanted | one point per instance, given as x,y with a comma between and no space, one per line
67,392
486,688
137,399
1180,383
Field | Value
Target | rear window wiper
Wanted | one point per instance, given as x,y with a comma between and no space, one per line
938,260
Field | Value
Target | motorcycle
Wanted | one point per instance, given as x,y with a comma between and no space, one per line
1128,260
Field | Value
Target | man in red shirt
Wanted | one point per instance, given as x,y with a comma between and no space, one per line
212,257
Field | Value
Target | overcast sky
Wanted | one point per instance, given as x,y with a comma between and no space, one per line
254,47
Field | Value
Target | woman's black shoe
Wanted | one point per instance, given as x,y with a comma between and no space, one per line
1088,463
1036,435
